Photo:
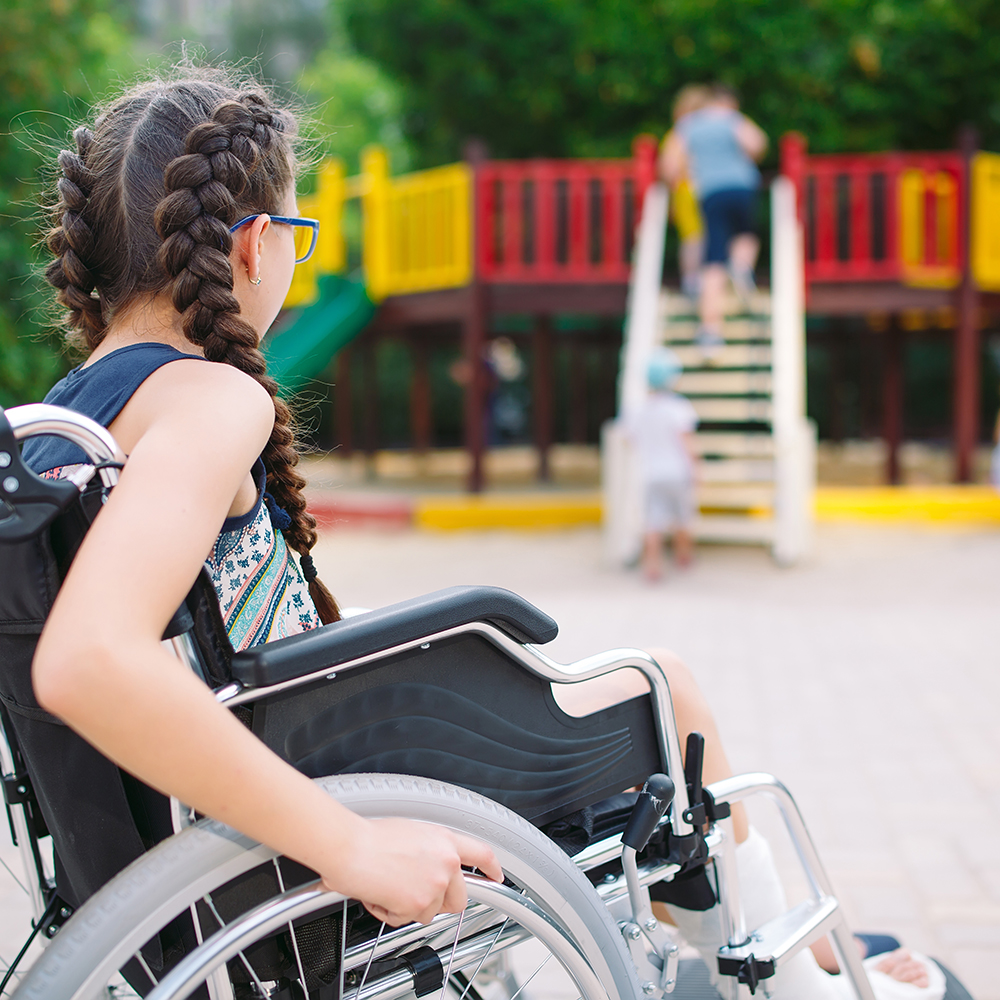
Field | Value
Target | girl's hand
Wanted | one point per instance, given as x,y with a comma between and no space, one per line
404,870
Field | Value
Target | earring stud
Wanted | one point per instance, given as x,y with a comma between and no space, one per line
252,282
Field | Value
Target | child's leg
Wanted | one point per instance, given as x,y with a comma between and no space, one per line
683,547
652,555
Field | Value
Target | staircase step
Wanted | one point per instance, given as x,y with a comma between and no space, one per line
730,528
709,382
734,330
736,470
733,410
733,445
741,355
674,304
735,496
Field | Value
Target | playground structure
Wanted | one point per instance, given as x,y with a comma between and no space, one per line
465,245
462,245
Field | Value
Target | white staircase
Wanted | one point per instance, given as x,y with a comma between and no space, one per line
755,448
734,442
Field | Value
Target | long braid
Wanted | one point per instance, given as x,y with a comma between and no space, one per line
71,240
220,160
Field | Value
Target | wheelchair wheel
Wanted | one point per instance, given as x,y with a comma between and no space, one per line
212,915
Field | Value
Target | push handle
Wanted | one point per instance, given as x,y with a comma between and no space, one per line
653,801
28,503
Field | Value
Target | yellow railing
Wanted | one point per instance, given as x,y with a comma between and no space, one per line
984,243
416,233
929,260
417,227
330,256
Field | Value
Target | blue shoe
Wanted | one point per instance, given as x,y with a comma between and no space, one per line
878,944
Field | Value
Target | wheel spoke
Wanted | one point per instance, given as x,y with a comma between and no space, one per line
10,872
482,961
138,956
371,958
451,957
250,969
532,976
291,930
343,947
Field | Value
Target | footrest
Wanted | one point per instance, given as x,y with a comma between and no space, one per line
778,940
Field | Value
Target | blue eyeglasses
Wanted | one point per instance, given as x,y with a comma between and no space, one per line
306,232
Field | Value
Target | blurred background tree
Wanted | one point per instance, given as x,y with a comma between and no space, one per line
574,78
531,77
56,57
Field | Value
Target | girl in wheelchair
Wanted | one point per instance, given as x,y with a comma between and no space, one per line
175,240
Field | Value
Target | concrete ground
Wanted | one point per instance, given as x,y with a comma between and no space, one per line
866,679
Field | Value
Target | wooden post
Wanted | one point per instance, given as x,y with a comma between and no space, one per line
474,341
542,392
838,416
342,409
892,398
420,395
370,382
577,391
966,351
473,350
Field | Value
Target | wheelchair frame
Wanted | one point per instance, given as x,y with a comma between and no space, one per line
625,894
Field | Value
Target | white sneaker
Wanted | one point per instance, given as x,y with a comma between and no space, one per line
710,342
743,285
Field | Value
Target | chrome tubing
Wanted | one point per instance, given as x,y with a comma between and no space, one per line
300,902
743,786
95,441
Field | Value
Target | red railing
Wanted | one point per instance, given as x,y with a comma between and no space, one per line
560,220
879,216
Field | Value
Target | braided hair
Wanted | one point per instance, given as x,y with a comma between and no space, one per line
145,205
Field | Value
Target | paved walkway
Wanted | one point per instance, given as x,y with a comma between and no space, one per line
867,680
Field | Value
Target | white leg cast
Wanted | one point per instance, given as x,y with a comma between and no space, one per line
800,978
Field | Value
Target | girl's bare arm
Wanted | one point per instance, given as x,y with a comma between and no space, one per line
751,137
101,668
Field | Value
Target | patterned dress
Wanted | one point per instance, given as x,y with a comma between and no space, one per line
261,591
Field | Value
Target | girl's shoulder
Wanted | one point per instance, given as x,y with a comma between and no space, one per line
213,397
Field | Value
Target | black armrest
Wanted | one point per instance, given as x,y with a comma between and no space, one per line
398,623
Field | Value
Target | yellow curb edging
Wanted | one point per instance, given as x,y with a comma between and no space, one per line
506,511
928,505
914,504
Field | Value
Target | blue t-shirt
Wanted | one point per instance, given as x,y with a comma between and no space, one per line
717,160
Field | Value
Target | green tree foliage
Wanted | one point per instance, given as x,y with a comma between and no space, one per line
55,58
354,104
582,77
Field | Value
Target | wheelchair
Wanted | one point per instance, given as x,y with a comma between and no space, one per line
437,709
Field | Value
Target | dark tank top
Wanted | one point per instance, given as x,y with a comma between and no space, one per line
262,594
99,391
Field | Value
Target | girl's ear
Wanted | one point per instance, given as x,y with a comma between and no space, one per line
249,245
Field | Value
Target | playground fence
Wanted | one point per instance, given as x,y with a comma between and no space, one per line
880,216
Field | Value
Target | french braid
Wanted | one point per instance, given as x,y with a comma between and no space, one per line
202,186
168,169
72,243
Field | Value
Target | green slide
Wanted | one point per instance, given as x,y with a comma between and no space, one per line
301,349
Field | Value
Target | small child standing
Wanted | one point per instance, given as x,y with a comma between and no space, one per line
660,430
